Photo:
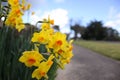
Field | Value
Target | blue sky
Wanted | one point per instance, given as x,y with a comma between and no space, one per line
82,11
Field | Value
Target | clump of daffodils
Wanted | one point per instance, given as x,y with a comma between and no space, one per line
58,49
14,18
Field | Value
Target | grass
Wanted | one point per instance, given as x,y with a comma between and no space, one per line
110,49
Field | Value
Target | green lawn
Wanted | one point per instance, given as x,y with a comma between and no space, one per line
110,49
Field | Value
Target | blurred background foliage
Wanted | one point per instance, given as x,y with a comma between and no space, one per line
95,30
4,9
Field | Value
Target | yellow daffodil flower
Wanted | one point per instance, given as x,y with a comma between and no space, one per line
31,58
46,23
33,13
58,41
14,18
43,68
41,37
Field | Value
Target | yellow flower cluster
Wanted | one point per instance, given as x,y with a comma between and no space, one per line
58,49
14,18
34,58
55,42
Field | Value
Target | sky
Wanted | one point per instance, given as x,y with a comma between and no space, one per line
80,11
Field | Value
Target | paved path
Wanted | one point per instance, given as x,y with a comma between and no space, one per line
88,65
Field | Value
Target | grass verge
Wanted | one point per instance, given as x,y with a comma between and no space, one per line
110,49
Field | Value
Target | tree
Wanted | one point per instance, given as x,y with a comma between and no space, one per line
111,34
78,29
94,31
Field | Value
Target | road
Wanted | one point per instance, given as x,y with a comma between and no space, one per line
88,65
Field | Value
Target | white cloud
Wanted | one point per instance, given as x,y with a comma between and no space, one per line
112,12
114,23
113,19
34,19
118,15
59,15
